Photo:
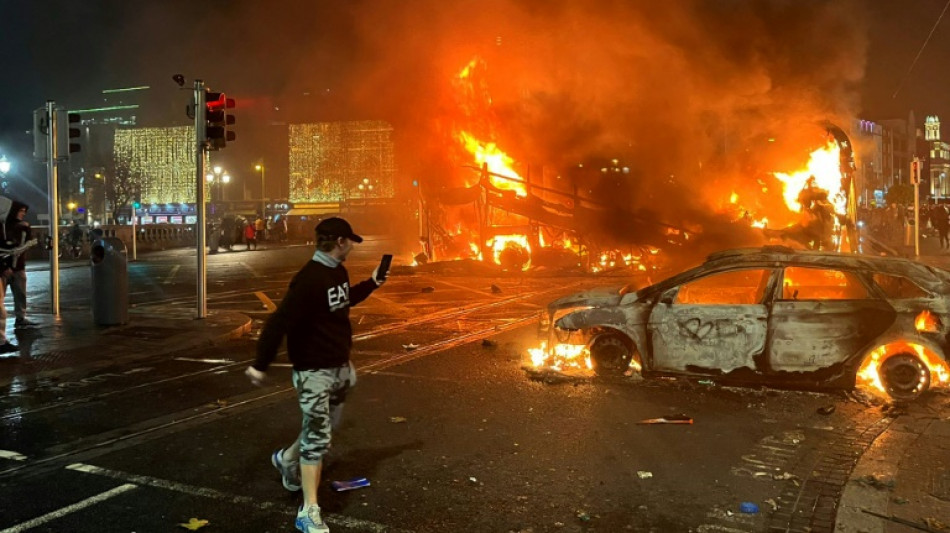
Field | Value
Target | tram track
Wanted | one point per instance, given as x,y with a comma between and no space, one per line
168,424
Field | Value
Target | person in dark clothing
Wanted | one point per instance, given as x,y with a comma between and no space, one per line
314,316
940,220
16,232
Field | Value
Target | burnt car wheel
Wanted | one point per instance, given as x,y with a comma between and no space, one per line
610,355
905,376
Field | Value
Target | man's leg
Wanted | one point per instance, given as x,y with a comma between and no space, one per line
18,287
3,310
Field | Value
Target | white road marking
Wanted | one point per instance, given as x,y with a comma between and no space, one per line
171,275
268,303
209,361
333,519
7,454
78,506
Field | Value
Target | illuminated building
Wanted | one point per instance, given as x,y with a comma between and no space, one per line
339,161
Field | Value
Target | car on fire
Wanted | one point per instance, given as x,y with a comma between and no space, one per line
772,315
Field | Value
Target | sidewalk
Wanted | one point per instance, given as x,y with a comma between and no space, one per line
902,482
74,339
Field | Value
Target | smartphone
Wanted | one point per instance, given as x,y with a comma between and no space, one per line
384,265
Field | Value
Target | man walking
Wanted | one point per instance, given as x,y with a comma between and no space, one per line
315,318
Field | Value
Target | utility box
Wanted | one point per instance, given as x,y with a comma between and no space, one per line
110,282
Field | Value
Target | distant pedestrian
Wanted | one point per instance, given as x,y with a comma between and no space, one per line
259,228
250,235
16,233
314,316
940,219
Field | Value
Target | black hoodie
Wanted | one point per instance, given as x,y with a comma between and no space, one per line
15,233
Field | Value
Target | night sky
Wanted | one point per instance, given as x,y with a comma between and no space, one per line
584,73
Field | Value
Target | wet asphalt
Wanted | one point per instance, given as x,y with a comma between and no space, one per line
453,435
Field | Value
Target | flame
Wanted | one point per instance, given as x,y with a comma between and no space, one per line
498,162
734,198
561,356
927,322
500,242
869,376
825,165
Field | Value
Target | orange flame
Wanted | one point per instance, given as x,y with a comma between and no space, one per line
498,162
927,322
825,165
869,375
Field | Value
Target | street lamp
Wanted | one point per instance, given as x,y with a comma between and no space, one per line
5,167
218,176
260,168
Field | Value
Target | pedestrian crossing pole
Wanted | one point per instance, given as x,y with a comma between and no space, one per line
200,234
915,179
52,173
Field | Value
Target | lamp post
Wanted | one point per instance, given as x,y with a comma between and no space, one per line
260,168
216,179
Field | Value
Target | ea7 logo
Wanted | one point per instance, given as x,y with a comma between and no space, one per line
339,296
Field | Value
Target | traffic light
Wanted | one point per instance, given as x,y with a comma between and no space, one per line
915,171
66,132
218,120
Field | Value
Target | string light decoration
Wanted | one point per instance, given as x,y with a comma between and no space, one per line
161,162
334,161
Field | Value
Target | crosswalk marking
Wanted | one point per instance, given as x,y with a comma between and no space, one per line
7,454
78,506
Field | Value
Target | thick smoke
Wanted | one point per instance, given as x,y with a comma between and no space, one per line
688,94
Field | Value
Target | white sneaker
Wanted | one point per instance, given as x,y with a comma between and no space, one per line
310,521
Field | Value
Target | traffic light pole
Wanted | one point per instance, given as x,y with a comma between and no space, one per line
52,151
200,234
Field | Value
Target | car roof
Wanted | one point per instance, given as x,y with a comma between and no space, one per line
932,279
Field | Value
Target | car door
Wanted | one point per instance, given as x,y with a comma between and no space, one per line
714,322
822,316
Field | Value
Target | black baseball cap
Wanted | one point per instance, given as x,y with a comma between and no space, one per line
337,227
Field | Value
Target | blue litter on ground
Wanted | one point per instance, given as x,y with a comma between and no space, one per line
351,484
748,508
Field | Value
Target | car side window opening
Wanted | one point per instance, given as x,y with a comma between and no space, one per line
898,287
803,283
736,287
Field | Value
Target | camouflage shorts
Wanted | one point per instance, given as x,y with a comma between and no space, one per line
321,394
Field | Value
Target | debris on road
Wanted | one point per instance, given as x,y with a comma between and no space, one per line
549,376
352,484
495,289
772,503
748,508
583,516
877,482
826,410
411,346
194,524
488,343
668,419
643,474
427,290
397,419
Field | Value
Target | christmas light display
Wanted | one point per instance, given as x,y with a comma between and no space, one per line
161,162
337,161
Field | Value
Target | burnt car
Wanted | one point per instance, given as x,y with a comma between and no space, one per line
772,315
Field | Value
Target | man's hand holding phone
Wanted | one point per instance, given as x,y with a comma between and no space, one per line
382,271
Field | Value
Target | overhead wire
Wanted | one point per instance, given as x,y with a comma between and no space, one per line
921,51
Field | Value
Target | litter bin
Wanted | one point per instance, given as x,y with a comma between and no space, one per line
110,282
